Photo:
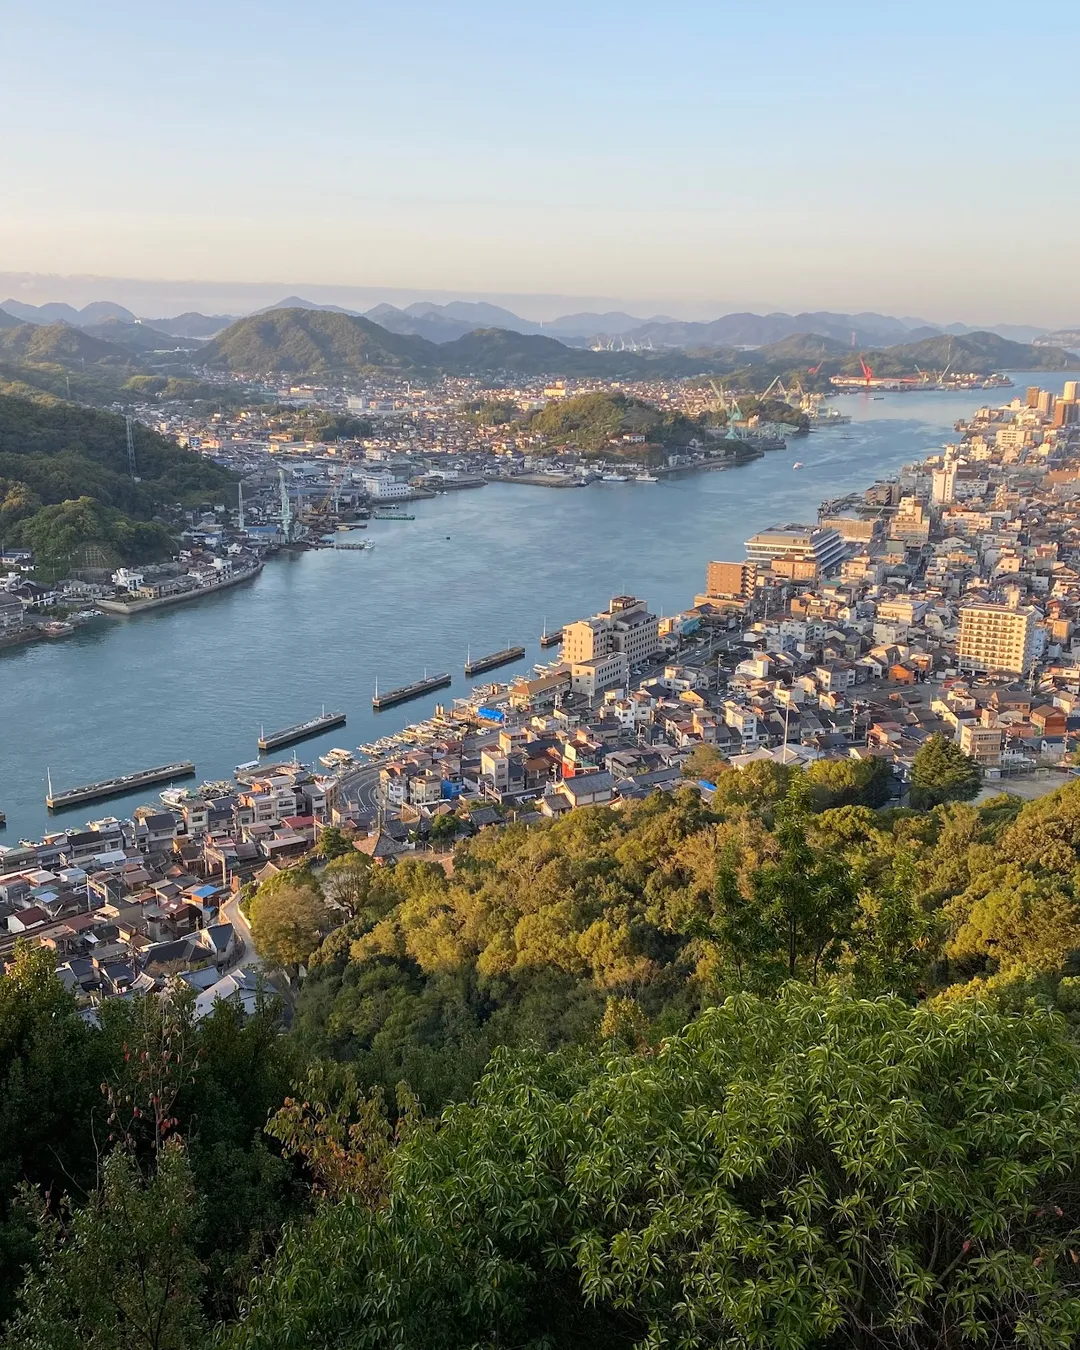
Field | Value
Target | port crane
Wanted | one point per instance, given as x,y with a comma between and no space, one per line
868,373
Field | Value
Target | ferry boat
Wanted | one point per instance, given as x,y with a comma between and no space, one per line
615,478
645,478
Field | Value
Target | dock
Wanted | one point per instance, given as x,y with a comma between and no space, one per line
502,658
115,787
551,639
407,691
301,731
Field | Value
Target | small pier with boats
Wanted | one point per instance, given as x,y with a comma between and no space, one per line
407,691
301,731
116,787
500,658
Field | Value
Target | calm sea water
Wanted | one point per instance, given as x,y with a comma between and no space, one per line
480,569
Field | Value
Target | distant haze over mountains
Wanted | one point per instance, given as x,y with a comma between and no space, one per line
449,322
208,306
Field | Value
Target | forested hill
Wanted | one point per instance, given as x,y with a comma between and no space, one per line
64,482
324,343
767,1070
315,342
976,353
59,343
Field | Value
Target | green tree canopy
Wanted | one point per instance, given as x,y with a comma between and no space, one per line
941,772
805,1172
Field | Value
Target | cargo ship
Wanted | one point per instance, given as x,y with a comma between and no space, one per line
115,787
301,731
407,691
502,658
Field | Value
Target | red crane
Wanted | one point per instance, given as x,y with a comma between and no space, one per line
868,374
813,370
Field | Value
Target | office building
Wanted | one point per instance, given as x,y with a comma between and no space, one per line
802,552
603,672
1032,396
1071,392
997,639
1066,413
1045,404
626,627
384,487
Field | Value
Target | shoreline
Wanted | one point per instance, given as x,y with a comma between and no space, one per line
125,610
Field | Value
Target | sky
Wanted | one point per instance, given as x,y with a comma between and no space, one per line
689,156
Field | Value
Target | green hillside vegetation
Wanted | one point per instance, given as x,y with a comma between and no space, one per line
977,353
764,1070
324,343
499,350
139,337
590,423
314,342
58,343
64,483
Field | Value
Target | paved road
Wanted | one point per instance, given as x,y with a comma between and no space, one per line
232,913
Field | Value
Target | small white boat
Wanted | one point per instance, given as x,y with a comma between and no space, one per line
616,478
798,464
645,478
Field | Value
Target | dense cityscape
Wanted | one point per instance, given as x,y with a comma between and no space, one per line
540,678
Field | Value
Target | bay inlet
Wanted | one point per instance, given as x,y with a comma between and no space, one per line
480,570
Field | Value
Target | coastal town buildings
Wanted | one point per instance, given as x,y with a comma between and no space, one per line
945,601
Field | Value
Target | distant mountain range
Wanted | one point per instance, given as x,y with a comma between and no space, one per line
322,342
443,323
330,343
96,312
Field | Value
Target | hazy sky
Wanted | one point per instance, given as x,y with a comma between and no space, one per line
919,158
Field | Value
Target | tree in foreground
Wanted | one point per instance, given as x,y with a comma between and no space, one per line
815,1171
288,922
120,1270
941,772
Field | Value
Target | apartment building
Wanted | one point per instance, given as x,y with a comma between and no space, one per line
731,579
626,628
982,744
997,638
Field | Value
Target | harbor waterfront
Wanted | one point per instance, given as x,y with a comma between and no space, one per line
473,570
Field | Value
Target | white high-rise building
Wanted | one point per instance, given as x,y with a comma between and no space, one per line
997,638
943,490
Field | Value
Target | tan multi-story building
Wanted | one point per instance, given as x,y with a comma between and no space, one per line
626,628
997,638
730,579
603,672
982,744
